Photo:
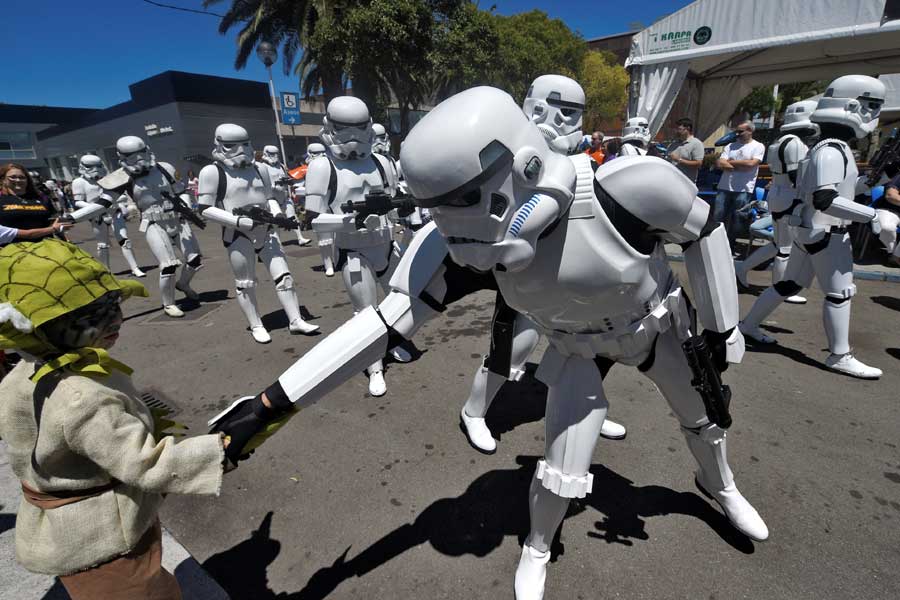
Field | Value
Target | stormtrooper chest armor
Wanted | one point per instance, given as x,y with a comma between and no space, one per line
91,189
244,187
148,189
355,179
586,277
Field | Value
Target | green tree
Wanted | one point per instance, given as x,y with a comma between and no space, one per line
299,27
760,100
605,84
533,44
465,48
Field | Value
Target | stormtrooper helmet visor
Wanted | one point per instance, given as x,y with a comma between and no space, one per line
870,108
138,158
570,112
234,148
345,133
494,158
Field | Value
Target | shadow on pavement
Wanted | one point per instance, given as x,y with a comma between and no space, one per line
241,570
57,592
517,403
795,355
895,352
495,506
277,319
7,521
887,302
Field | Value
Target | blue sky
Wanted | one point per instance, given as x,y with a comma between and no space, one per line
85,53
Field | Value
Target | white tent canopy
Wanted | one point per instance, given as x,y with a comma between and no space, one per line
716,51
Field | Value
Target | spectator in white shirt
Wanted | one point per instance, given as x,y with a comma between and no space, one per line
740,165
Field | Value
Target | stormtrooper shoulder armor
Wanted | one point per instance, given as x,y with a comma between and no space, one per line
208,185
321,177
117,180
656,193
829,162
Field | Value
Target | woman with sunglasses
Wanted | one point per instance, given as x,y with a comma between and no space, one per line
25,215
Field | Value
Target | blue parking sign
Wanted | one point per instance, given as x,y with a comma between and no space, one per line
290,108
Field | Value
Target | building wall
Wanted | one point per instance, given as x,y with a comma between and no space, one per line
23,152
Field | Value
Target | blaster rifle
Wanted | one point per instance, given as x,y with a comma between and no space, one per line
707,380
179,206
264,217
380,203
888,153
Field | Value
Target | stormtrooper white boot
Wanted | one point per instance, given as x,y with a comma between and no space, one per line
531,574
128,253
184,282
302,241
329,266
848,365
167,291
715,480
246,298
612,430
471,419
377,385
291,305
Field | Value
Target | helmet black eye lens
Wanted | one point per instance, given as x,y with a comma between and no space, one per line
470,198
568,112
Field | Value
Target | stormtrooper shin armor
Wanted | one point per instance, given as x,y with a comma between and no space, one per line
826,185
246,185
506,190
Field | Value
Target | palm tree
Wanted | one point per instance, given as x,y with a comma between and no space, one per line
299,27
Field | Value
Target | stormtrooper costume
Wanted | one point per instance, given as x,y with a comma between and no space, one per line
278,175
783,157
419,217
234,181
325,240
145,180
85,191
556,105
635,137
827,180
365,253
598,285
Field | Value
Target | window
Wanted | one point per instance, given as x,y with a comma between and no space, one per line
16,144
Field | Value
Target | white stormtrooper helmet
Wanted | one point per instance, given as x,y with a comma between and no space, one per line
314,151
853,101
347,128
271,155
796,119
556,104
636,131
232,146
91,167
134,155
484,179
382,144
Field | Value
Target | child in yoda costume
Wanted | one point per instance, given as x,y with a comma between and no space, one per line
80,439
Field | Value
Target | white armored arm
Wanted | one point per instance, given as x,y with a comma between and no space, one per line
207,188
223,217
318,178
830,166
91,209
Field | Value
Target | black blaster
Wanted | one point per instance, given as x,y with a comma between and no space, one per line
707,380
183,209
888,153
262,216
379,203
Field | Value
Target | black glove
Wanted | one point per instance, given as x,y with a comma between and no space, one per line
717,343
241,424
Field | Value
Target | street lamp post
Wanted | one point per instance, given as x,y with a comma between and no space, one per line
267,53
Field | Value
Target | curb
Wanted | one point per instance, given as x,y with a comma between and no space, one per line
16,582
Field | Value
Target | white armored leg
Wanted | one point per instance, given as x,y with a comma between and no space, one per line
326,250
121,232
784,241
798,275
190,251
672,375
834,273
272,255
576,408
243,263
359,279
487,384
758,257
161,247
101,234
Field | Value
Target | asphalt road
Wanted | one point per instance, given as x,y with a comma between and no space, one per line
363,497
